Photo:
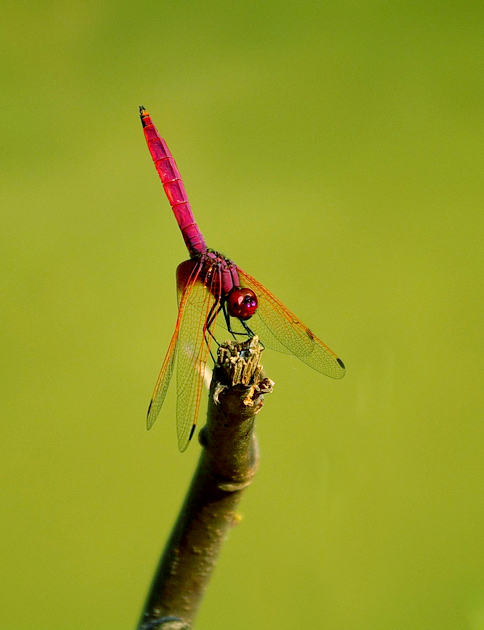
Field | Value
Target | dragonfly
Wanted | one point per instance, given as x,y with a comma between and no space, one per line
212,289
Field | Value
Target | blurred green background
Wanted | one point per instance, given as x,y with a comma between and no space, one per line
335,151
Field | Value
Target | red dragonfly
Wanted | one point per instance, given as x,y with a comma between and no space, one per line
209,284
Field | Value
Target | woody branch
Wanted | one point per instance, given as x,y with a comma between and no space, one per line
227,465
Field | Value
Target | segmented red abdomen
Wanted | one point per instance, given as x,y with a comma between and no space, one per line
173,185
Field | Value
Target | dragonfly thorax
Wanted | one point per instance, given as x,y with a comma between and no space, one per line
219,273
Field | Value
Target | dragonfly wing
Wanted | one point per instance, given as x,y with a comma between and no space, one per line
278,327
186,280
193,348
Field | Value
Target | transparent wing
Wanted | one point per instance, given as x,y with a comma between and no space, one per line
187,275
281,330
194,340
258,328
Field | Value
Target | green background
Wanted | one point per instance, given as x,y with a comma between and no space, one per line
335,152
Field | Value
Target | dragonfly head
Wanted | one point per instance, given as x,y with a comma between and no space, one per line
241,303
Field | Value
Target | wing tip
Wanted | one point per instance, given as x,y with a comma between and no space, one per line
342,366
183,444
149,420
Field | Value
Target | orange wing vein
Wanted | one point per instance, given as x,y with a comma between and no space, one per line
193,349
185,283
281,330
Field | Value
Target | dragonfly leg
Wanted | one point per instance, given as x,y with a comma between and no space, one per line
229,327
249,332
214,311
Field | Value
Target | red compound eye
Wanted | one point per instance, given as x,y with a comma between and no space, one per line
242,303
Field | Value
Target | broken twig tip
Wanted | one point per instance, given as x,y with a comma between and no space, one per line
239,361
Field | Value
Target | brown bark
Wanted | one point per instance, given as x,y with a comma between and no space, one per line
227,465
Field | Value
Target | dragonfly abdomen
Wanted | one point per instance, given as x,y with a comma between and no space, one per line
173,185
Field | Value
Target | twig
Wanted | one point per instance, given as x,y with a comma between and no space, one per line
226,467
